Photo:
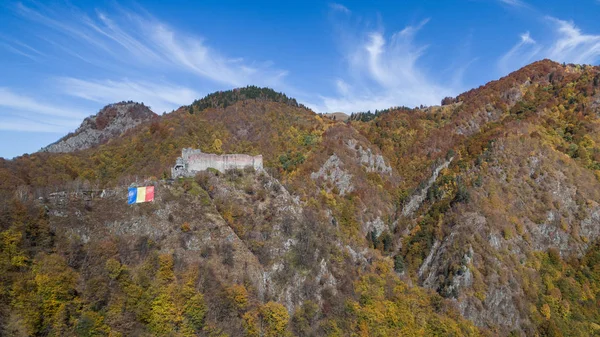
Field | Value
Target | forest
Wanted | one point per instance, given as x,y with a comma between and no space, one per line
503,242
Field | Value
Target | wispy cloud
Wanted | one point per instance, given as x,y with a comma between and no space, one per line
193,55
514,3
20,48
567,43
572,45
128,55
13,49
139,44
383,71
10,99
339,7
161,97
23,113
9,123
525,50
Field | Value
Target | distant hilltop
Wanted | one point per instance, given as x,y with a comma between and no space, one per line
193,161
223,99
110,122
338,116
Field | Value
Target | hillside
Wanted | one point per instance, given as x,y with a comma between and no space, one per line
477,217
110,122
523,183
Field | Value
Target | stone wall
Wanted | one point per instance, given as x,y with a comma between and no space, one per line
193,161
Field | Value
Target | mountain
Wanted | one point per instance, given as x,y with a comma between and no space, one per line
110,122
476,217
519,195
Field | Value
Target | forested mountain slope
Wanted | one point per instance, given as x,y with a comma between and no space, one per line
478,217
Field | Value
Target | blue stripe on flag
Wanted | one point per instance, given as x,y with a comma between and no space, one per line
131,195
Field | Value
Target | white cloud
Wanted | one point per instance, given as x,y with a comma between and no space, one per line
566,44
20,48
191,54
12,100
26,125
24,113
384,72
524,51
572,45
339,7
143,42
526,38
60,24
160,97
134,53
514,3
15,50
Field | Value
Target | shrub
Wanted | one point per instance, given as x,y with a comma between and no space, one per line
289,161
448,100
195,311
462,193
206,252
213,171
234,175
202,179
249,189
275,319
227,254
554,256
398,264
387,241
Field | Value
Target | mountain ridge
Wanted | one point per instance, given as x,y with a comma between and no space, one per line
478,217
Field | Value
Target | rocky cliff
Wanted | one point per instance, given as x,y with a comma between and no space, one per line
522,186
478,217
111,121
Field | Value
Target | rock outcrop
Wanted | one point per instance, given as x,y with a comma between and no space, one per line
112,121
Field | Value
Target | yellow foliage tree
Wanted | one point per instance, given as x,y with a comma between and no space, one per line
238,295
545,311
270,320
275,319
216,146
41,299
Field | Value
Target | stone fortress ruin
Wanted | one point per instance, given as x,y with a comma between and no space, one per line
193,161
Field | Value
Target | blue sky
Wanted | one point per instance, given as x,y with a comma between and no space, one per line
63,61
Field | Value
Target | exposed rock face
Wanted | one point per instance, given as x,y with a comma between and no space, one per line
333,172
490,228
273,230
481,260
194,161
112,121
416,200
373,162
595,106
377,226
499,305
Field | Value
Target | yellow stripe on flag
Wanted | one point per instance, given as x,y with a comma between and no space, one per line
141,194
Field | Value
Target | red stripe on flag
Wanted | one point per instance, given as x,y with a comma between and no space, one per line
149,193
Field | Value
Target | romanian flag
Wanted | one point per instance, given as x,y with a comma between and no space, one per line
140,194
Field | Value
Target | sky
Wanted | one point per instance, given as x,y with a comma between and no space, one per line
62,61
